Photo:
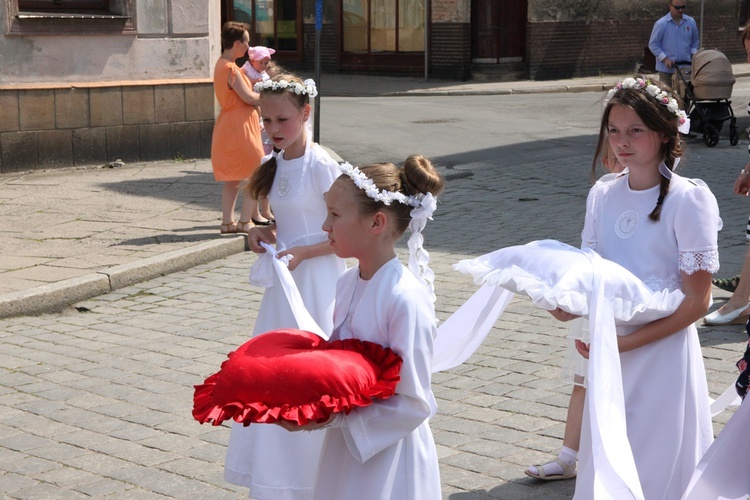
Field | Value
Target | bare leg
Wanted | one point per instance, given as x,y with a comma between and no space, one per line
571,442
229,192
572,436
249,210
741,295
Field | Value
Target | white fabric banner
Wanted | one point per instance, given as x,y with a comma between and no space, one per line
261,274
464,331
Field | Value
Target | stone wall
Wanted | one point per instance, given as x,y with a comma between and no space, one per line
48,126
91,91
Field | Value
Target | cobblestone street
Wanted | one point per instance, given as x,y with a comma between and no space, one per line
96,401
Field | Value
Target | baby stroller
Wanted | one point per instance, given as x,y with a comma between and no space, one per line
705,87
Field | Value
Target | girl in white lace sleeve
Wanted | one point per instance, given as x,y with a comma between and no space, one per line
663,228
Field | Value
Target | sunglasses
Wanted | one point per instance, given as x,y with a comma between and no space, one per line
679,7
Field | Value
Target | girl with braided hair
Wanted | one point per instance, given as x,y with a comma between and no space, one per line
273,463
663,228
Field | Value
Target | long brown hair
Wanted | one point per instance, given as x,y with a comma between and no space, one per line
261,181
656,116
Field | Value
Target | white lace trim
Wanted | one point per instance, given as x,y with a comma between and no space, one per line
690,262
706,260
656,284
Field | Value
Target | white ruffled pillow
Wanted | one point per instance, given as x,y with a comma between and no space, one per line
554,274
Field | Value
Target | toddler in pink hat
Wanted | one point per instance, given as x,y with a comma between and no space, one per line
255,67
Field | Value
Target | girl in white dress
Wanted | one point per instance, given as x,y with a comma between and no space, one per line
384,451
663,228
574,372
273,463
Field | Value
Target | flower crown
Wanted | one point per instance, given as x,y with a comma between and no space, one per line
368,186
683,122
305,88
423,207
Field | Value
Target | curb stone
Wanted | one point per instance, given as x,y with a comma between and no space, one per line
56,296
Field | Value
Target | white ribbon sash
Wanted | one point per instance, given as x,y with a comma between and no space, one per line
728,398
261,274
615,473
464,331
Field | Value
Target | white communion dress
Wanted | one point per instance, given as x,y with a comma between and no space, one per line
274,463
664,383
385,451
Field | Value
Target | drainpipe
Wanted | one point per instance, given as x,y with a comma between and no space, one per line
318,29
427,39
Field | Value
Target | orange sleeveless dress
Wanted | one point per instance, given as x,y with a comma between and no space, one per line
236,146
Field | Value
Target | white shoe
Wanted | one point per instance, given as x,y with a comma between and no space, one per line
732,317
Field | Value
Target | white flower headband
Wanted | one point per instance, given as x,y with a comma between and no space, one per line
683,122
424,206
368,186
307,87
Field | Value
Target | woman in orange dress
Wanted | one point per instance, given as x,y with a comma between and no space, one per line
236,146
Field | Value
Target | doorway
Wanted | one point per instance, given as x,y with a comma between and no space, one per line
498,31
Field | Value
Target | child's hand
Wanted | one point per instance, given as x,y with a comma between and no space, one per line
257,234
583,348
298,254
254,237
561,315
312,426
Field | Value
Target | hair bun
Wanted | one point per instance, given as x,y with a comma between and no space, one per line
419,175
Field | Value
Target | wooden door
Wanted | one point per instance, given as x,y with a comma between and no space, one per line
498,30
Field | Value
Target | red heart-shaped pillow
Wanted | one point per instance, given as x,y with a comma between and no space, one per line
296,376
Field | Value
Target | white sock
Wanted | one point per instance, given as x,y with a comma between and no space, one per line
567,456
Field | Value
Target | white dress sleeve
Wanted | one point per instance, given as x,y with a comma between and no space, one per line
697,223
325,169
411,329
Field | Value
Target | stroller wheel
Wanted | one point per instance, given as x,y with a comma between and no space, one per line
734,135
710,136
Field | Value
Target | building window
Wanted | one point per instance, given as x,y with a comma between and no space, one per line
376,26
273,23
70,17
77,6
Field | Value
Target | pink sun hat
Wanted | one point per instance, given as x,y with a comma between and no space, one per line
259,53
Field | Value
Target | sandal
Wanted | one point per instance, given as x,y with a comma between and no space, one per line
244,227
568,471
228,228
728,284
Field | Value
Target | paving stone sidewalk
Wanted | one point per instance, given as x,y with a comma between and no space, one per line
96,401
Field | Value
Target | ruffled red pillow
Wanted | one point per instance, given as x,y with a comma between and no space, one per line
296,376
